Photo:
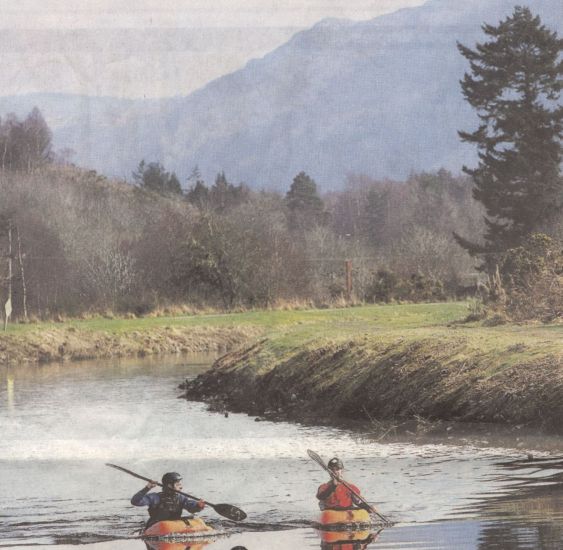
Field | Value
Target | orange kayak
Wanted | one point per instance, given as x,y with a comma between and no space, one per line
339,537
166,545
346,540
179,528
355,518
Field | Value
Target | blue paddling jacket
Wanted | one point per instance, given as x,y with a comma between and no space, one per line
164,506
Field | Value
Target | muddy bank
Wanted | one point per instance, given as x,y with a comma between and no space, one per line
448,376
70,343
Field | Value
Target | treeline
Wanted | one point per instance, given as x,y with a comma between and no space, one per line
74,241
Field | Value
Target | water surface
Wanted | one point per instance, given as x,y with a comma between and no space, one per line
62,423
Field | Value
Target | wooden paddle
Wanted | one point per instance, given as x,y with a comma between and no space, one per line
226,510
321,463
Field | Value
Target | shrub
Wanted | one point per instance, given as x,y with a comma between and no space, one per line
532,277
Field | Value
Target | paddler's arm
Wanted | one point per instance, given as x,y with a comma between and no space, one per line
364,506
355,494
360,504
192,506
325,490
142,498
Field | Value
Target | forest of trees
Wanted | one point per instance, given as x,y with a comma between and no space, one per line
74,242
80,242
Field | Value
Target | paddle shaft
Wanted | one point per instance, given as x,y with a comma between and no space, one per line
159,484
320,462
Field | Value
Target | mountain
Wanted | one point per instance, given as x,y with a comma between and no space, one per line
380,97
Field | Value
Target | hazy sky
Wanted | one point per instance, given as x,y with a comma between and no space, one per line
150,48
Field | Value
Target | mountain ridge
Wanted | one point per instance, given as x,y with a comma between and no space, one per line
379,97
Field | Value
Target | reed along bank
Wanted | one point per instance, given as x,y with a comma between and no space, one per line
394,362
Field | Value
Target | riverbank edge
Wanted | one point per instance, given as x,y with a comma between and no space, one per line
72,344
444,377
107,337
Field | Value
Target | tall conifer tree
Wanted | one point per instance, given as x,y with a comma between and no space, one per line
306,208
514,85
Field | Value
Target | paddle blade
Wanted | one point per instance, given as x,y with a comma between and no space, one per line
316,458
230,512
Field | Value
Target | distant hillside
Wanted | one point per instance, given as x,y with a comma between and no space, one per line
380,97
108,134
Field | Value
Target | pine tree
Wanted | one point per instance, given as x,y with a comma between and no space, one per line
306,208
514,85
154,177
375,215
224,196
38,138
198,193
25,145
220,192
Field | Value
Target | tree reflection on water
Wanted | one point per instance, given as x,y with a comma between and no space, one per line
530,514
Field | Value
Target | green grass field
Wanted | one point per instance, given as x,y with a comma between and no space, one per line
289,331
367,317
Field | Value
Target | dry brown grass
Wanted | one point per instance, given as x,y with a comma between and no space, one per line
506,374
71,343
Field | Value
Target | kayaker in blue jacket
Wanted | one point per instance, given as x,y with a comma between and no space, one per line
166,505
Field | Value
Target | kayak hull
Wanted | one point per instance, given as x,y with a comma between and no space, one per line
349,518
335,537
165,545
346,540
179,528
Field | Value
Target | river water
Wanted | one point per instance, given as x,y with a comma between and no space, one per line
60,424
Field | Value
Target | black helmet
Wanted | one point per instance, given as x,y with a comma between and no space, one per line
170,478
335,464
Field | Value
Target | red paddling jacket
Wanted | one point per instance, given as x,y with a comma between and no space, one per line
338,497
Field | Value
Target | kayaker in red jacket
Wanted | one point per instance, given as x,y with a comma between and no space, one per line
167,505
334,495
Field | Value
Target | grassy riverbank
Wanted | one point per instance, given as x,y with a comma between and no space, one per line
394,362
104,338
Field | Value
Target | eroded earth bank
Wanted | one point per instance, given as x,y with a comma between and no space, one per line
507,375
